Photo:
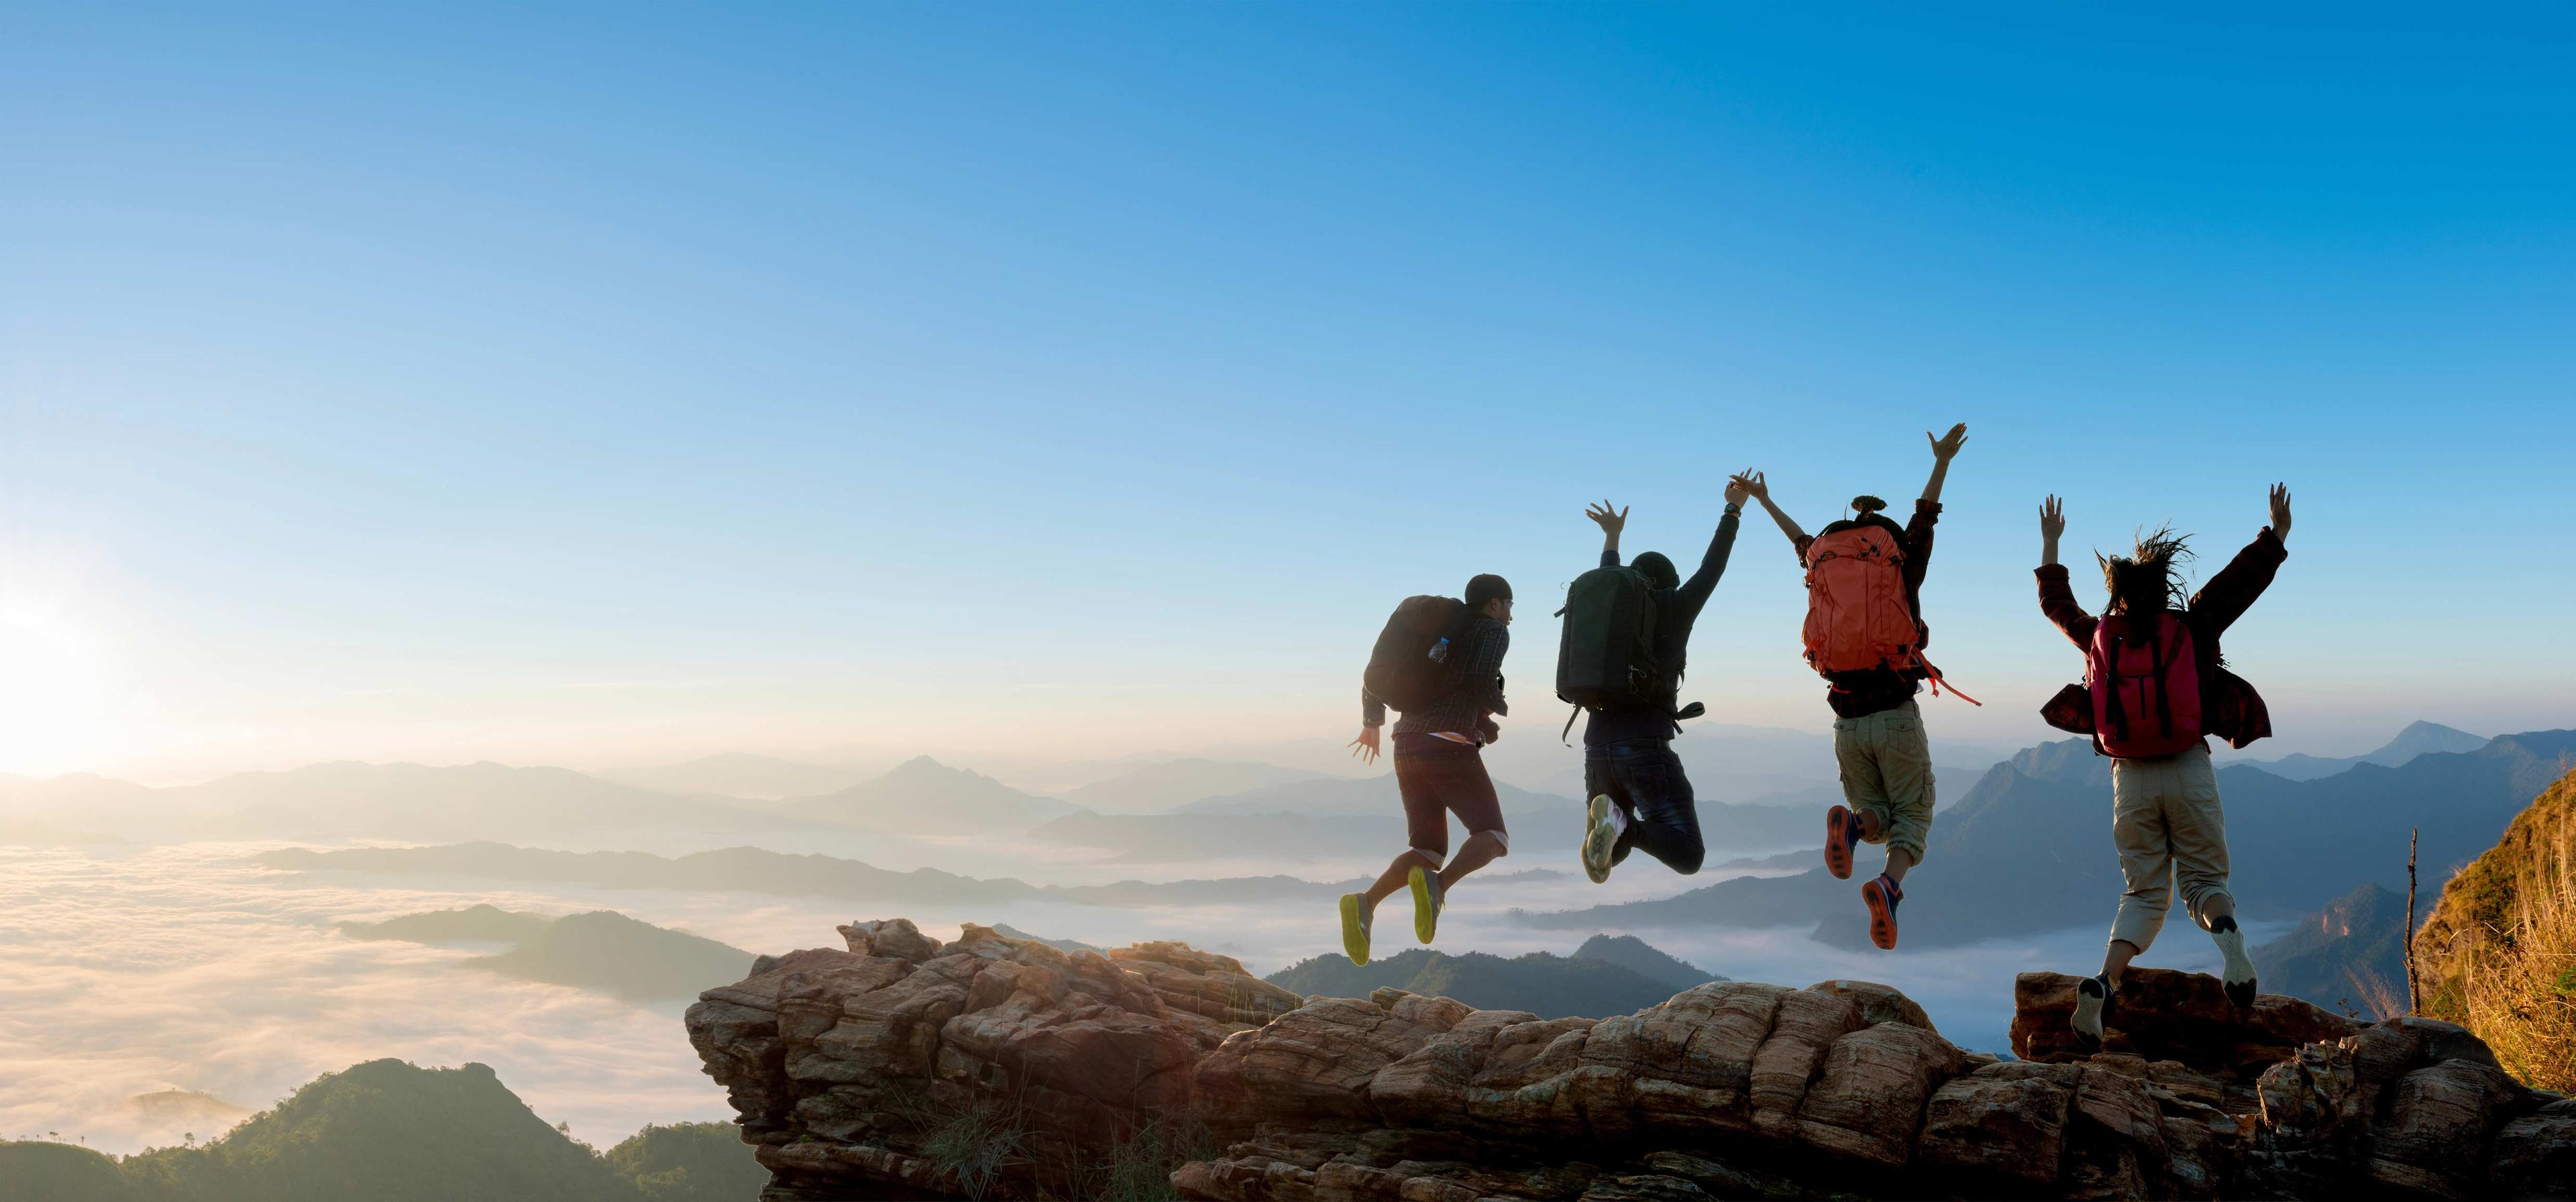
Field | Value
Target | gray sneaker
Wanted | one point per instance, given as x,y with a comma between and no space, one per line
2092,1002
2238,973
1600,836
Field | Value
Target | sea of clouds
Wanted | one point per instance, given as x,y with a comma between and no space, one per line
129,971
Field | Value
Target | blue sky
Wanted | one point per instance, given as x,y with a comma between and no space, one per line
598,384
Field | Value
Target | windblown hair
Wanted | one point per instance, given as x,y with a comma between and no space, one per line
1865,505
2143,581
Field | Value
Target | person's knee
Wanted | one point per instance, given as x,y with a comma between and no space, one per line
1500,842
1435,857
1687,862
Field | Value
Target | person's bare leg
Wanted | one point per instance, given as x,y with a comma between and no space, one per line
1397,873
1480,849
2221,906
2115,960
1899,860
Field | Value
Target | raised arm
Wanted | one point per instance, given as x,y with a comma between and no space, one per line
1753,485
2056,595
1712,566
1944,449
1611,524
2234,589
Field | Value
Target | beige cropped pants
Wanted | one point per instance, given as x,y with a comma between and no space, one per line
2170,829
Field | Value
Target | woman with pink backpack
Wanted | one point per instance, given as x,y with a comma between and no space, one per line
2154,690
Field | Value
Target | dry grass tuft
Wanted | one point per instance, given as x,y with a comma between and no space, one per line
2518,976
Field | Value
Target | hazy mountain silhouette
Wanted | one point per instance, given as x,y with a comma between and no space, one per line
1542,983
350,800
602,951
1362,796
610,953
2029,848
1154,788
2349,957
753,870
736,774
922,795
476,924
2419,738
1634,954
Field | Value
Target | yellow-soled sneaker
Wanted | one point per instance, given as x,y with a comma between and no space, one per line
1427,898
1355,927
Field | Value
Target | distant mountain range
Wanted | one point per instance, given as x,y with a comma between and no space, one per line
753,870
1603,977
1172,784
2349,957
2029,848
347,800
602,951
392,1132
2419,738
735,774
923,795
1332,818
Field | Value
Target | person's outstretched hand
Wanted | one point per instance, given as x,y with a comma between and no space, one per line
2052,518
1736,492
2280,511
1947,446
1751,482
1611,523
1365,746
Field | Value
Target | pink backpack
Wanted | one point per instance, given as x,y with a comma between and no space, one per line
2145,680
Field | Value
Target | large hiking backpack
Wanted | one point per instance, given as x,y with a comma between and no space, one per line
1857,613
1857,617
2145,682
1605,653
1420,655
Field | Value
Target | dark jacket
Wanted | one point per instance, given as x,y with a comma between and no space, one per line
2229,707
1676,610
1464,709
1860,694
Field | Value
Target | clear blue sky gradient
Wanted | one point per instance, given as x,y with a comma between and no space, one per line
604,382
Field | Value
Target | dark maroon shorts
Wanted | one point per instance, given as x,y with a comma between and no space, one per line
1439,778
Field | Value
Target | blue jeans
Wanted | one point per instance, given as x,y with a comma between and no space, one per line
1645,779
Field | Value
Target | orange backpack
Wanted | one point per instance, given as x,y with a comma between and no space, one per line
1857,617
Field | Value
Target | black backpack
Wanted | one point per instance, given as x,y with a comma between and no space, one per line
1421,655
1605,654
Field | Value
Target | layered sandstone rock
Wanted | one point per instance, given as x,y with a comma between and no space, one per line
1005,1068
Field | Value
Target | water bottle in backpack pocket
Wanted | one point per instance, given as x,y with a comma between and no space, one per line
1421,653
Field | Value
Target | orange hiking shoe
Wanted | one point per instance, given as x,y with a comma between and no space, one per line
1842,829
1882,895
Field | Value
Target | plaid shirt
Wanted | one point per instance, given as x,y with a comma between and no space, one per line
1463,709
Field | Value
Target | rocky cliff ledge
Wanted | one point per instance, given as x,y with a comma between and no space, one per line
1006,1068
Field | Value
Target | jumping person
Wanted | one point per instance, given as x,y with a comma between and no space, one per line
2154,689
1640,798
1440,662
1865,633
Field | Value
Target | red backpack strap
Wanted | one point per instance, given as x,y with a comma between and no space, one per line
1933,675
